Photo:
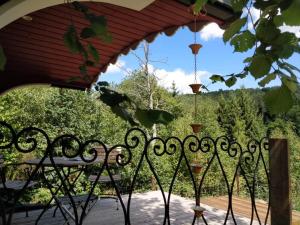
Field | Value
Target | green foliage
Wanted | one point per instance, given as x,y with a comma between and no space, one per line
234,28
199,5
93,52
243,42
267,31
238,5
231,81
260,65
267,79
238,114
148,117
290,16
75,41
272,46
216,78
71,40
130,111
278,100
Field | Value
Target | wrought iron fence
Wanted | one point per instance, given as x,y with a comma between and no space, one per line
194,159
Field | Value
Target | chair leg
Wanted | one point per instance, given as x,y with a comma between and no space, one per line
117,200
54,212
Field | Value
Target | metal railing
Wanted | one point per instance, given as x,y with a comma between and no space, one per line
196,158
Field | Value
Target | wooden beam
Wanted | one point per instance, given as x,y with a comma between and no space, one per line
280,201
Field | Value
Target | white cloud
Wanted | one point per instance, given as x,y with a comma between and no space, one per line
211,31
180,77
292,29
255,13
116,68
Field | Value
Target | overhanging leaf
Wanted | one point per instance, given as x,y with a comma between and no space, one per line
238,5
231,81
149,117
93,52
98,24
71,40
107,38
83,70
199,5
268,10
291,66
247,60
124,114
243,42
290,82
87,32
243,74
285,4
262,5
80,7
279,100
291,15
112,98
260,66
2,59
103,83
278,20
89,63
217,78
267,79
234,28
267,30
285,45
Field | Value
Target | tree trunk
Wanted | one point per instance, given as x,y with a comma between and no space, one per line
150,89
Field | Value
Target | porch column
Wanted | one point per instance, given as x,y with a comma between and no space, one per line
280,201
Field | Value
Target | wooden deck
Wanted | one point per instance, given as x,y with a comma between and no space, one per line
147,208
242,207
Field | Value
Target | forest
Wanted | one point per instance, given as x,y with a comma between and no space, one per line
239,114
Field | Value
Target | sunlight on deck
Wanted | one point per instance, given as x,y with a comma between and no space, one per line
146,208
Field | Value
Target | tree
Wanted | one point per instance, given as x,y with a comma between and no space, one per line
174,90
142,86
240,117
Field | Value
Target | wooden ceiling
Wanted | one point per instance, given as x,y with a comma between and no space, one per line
36,53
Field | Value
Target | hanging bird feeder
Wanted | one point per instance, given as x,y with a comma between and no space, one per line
196,87
195,47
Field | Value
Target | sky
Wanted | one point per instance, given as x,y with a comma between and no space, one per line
171,60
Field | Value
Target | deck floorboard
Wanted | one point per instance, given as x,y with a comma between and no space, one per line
148,209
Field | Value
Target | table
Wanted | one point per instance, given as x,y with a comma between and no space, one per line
61,163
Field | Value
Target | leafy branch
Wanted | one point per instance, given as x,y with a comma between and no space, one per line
78,41
272,47
122,106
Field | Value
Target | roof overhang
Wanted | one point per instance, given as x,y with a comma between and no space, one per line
15,9
36,53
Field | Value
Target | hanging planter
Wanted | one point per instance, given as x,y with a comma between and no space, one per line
196,127
195,48
196,167
198,210
195,88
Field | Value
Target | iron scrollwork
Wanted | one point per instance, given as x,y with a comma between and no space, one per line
140,150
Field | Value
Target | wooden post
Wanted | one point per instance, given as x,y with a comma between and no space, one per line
280,202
